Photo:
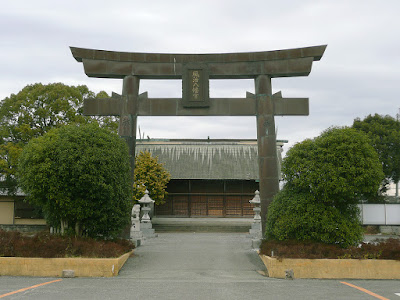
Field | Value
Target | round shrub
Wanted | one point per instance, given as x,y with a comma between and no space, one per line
296,215
80,176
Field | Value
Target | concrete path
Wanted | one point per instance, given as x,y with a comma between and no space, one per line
193,266
205,257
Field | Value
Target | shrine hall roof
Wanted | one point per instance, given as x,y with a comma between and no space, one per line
207,159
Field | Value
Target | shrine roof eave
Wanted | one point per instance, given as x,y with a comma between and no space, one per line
315,52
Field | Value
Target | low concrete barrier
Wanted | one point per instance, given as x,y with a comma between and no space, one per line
333,268
54,267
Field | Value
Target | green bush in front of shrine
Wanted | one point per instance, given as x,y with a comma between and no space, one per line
152,176
294,215
325,178
80,176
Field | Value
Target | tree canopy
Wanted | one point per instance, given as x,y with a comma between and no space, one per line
150,175
35,110
79,176
325,179
338,167
384,134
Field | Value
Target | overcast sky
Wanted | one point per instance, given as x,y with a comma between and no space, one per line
358,75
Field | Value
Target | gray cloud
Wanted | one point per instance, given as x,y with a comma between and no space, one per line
357,76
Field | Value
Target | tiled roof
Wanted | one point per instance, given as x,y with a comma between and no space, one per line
207,159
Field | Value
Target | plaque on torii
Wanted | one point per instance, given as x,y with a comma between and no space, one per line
196,70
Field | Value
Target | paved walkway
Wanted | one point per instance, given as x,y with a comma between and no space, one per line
193,266
205,257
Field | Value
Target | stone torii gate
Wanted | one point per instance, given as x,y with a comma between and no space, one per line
195,70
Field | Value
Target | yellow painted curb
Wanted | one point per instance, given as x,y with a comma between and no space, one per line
333,268
53,267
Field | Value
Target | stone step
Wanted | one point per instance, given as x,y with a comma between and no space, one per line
201,224
193,228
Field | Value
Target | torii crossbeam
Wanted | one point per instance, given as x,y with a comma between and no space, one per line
195,70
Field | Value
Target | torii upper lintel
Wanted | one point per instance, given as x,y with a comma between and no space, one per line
279,63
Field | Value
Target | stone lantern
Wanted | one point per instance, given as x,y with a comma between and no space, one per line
257,209
256,230
145,201
145,224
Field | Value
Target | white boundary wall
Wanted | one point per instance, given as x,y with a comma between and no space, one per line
380,214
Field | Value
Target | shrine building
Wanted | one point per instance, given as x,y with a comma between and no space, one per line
209,178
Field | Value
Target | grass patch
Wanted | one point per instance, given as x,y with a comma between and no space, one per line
43,244
379,249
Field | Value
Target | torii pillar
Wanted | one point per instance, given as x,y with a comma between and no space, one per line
195,70
128,116
266,140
